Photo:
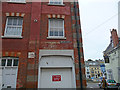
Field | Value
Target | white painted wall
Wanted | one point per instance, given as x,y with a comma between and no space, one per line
114,64
0,77
118,19
119,64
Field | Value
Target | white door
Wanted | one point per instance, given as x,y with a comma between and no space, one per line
9,77
9,72
56,78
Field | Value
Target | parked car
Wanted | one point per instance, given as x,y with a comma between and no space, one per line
111,84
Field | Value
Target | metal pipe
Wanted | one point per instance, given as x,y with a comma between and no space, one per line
78,44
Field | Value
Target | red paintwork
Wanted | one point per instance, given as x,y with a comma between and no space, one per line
56,78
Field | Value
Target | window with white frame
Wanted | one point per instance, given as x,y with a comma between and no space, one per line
17,1
13,26
57,2
9,62
56,28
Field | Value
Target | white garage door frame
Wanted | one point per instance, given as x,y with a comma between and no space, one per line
63,53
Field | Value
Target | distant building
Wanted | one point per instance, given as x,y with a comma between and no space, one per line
102,67
112,57
94,69
87,70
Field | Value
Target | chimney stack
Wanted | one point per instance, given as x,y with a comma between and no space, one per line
114,37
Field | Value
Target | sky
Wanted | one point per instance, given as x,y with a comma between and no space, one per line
97,18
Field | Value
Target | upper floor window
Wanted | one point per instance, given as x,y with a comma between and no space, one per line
56,28
106,58
57,2
13,26
8,61
17,1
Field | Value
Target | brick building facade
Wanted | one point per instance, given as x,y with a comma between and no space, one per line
37,39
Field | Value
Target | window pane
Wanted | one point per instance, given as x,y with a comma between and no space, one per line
3,62
56,26
15,21
8,31
13,32
9,62
20,22
55,23
17,31
60,23
51,23
15,63
15,28
51,33
56,33
60,33
9,21
55,1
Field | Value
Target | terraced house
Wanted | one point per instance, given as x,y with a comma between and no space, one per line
39,45
112,57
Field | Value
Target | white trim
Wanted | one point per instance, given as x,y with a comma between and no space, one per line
56,52
54,3
46,67
17,26
11,36
50,27
7,14
6,58
69,53
10,1
56,37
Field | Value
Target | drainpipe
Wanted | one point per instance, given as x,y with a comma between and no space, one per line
78,43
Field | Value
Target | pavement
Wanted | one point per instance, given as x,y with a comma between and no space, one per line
95,86
92,85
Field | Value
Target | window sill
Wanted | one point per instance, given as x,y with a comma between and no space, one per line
16,2
11,37
56,37
56,4
3,67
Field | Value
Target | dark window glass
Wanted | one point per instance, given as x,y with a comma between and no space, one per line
15,21
20,21
106,58
60,33
56,33
111,81
9,62
51,33
3,62
87,72
9,21
15,63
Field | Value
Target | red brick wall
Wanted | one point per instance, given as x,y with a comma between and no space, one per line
17,47
35,37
